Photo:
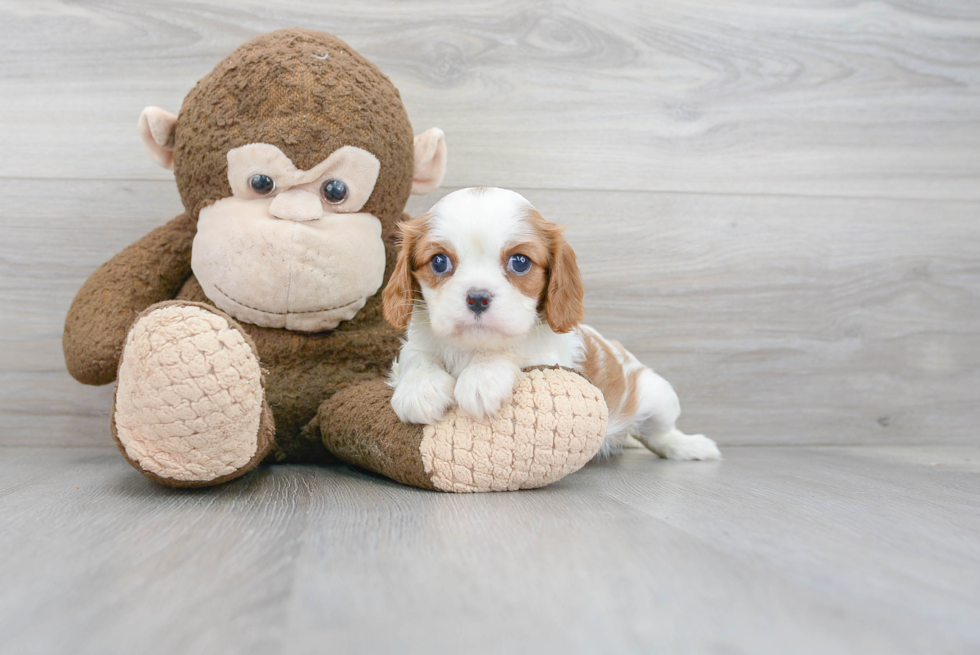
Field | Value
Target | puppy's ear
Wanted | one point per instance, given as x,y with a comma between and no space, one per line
399,296
564,298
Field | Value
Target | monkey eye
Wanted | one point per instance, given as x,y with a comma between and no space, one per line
441,264
262,184
519,264
334,191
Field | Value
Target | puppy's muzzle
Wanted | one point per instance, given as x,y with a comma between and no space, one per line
478,301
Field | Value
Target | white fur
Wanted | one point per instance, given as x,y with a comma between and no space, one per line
451,354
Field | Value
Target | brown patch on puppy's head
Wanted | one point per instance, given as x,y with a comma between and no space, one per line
425,249
532,284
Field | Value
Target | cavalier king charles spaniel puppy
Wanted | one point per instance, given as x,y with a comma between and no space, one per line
486,286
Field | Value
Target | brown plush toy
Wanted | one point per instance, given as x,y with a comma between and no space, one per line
249,328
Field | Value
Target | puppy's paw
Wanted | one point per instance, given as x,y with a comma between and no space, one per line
679,446
483,388
423,398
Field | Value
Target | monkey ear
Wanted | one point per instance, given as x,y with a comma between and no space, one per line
157,128
430,161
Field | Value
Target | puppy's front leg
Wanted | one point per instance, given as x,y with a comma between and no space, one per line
423,388
486,384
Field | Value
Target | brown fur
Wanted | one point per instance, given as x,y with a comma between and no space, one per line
399,294
563,302
149,271
412,267
307,93
425,249
603,370
356,416
277,89
603,367
632,401
531,284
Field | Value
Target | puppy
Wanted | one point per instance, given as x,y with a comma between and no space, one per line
486,286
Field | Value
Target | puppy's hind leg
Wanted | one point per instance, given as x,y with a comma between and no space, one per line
674,444
656,423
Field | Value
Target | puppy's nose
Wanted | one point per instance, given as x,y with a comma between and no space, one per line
478,301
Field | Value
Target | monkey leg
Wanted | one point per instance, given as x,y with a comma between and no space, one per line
554,424
189,408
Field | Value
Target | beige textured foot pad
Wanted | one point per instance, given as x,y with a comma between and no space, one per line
189,397
553,426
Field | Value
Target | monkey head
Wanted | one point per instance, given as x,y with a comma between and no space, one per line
296,156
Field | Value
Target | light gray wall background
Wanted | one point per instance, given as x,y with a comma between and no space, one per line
777,207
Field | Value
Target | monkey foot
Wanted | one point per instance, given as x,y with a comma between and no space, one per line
554,424
190,406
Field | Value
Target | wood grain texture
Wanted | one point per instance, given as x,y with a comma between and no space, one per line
776,206
848,98
702,155
774,550
778,319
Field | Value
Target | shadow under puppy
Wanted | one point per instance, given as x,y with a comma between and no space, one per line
486,286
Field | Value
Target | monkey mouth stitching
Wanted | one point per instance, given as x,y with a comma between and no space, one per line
266,311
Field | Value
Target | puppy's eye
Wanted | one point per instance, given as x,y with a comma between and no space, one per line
441,264
520,264
335,191
262,184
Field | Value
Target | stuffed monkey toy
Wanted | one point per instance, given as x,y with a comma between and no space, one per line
249,328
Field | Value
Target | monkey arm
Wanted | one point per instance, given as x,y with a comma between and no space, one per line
149,271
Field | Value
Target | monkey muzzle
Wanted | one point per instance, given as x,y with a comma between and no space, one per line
297,273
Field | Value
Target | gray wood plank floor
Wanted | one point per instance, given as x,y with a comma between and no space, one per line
775,205
773,550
